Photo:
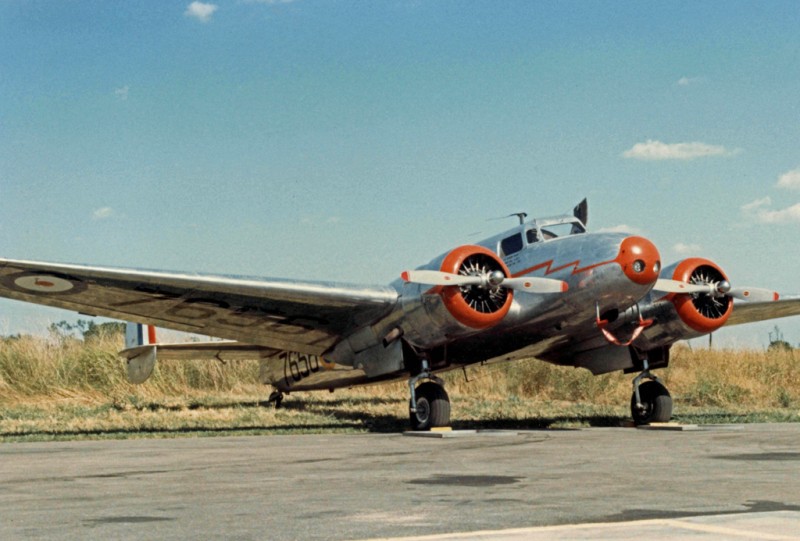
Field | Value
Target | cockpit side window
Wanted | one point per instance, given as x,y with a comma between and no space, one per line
531,236
577,229
511,245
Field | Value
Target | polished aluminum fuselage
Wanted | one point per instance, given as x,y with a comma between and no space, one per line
535,322
535,325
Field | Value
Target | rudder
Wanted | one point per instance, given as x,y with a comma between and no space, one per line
138,334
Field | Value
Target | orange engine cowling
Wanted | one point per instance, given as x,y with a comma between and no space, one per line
701,312
477,307
434,316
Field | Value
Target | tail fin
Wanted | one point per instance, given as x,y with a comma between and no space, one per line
140,350
137,334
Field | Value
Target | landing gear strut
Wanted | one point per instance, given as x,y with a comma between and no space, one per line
429,406
651,401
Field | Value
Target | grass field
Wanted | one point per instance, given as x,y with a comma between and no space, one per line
64,388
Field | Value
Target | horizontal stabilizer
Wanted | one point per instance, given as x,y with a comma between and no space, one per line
141,362
207,351
141,359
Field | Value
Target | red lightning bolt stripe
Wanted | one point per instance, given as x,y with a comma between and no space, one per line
548,265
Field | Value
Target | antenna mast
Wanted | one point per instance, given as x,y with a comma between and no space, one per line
520,215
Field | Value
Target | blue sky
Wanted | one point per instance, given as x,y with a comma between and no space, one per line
348,141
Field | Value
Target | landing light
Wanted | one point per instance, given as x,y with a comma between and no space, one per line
638,266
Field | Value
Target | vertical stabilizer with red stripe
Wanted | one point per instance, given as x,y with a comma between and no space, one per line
137,334
140,351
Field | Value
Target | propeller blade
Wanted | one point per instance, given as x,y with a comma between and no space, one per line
529,284
754,294
675,286
439,278
536,285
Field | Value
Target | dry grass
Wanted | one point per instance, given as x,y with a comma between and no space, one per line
62,387
703,378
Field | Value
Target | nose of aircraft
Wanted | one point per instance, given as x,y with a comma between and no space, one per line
640,260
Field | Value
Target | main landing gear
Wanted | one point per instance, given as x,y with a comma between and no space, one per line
651,401
429,406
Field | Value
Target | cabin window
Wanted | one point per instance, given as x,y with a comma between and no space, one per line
511,245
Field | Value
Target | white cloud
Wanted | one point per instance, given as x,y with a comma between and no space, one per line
758,203
621,228
783,216
317,220
759,211
687,249
686,81
790,180
103,213
201,11
656,150
122,92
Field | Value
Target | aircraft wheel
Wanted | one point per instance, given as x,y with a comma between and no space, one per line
277,398
656,404
433,407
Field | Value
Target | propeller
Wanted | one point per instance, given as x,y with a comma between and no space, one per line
493,279
717,289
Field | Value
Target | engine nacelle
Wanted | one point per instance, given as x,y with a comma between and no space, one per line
438,314
680,316
700,312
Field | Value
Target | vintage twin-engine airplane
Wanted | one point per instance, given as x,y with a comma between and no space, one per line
545,289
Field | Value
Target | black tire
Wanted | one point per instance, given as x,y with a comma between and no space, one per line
656,401
276,397
433,407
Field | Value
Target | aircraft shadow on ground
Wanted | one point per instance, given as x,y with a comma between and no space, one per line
345,420
388,423
288,404
391,423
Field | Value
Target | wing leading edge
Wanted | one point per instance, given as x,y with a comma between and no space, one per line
750,312
275,313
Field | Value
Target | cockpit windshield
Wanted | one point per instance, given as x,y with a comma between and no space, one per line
534,232
556,230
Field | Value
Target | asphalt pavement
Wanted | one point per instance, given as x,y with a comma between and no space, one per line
721,482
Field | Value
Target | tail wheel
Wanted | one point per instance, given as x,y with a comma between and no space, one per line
656,405
433,407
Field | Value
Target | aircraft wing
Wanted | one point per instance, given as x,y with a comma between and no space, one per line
750,312
282,314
